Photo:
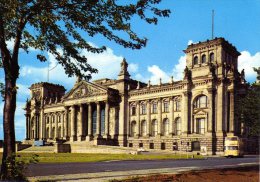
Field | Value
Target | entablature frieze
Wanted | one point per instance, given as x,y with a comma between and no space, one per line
156,90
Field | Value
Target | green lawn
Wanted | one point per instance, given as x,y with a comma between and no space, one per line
82,157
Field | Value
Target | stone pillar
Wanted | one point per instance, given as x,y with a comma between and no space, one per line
62,124
50,127
138,119
231,111
43,125
185,113
72,128
27,126
220,109
171,116
80,123
160,117
66,114
56,126
148,118
89,120
107,119
98,130
210,114
36,134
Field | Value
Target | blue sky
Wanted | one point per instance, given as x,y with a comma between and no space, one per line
238,21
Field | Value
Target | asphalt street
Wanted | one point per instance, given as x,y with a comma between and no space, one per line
114,166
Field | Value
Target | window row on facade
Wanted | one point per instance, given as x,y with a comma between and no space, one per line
203,59
153,128
155,107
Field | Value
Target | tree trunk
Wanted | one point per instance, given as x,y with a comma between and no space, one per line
8,126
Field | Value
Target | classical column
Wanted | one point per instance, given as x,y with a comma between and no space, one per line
72,128
66,114
98,129
62,124
210,116
56,126
185,113
220,117
107,119
27,126
171,116
36,126
160,116
80,123
89,120
148,118
50,127
231,111
138,119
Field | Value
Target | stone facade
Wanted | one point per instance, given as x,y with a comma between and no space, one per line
185,115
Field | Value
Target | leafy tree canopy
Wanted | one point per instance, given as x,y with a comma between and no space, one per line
54,25
249,108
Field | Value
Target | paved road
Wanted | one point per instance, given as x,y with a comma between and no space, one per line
113,166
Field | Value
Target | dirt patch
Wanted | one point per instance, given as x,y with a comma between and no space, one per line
241,174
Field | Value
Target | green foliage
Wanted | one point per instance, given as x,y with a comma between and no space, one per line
257,70
249,110
56,26
17,166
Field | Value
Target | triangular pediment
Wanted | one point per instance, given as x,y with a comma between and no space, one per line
85,89
200,112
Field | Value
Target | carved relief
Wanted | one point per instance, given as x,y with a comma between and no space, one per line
85,91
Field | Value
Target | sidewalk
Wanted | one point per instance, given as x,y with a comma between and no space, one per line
109,175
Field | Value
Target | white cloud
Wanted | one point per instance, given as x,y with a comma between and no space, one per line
133,68
247,61
157,74
190,42
179,68
107,63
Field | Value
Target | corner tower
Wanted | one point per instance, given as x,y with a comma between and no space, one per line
217,53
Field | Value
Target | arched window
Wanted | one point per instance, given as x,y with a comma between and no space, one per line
143,109
166,127
143,128
178,126
203,59
211,57
195,60
165,106
154,107
201,102
133,110
133,128
154,127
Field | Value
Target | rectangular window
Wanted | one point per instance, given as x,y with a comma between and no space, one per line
200,122
133,111
143,109
154,108
177,106
165,107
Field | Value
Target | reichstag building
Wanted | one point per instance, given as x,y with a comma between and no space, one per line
198,111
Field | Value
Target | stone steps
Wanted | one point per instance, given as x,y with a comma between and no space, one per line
37,149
